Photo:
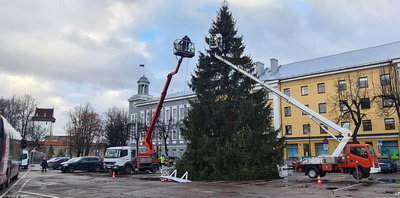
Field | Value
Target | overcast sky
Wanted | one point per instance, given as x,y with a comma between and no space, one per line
72,52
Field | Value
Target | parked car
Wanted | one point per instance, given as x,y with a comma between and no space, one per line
55,162
386,164
90,163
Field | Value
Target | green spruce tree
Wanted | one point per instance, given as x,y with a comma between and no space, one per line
228,125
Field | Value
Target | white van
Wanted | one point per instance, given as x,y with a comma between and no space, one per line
25,159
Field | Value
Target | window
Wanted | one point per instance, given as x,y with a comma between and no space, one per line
304,90
123,153
346,125
385,79
174,114
288,111
363,82
286,91
134,118
365,103
387,102
320,149
141,117
342,84
147,117
292,150
359,151
288,129
181,113
321,87
343,106
167,115
303,112
306,129
389,123
367,126
174,135
321,129
322,107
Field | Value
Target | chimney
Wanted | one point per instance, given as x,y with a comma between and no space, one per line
274,66
259,68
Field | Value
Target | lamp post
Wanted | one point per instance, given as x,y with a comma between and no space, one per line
309,139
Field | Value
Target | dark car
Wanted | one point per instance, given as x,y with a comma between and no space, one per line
55,162
386,164
90,163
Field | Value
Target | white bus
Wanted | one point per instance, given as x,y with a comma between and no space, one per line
10,153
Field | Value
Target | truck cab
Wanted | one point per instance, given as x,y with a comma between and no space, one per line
120,158
363,157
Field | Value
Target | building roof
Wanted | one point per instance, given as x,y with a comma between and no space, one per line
44,114
356,58
143,79
172,96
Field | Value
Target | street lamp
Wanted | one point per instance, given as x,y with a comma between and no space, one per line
309,139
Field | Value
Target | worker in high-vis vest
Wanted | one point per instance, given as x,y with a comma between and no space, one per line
162,159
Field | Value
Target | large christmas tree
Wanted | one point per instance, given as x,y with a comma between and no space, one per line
228,126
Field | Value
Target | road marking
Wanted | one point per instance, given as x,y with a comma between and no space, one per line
348,187
397,194
23,185
16,182
38,194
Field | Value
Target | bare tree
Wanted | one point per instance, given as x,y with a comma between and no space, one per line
138,133
10,109
116,126
387,92
351,99
19,111
36,133
164,132
83,127
28,106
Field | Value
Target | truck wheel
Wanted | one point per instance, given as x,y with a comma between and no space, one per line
312,173
154,168
128,169
358,174
366,175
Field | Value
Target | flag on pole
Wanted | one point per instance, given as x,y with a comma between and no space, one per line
141,65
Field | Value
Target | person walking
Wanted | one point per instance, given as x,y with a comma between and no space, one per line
43,164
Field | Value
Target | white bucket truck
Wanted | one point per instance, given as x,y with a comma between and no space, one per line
120,158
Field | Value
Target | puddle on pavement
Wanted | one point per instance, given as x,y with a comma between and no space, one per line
395,181
331,188
149,179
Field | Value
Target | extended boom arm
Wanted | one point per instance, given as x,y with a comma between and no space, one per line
319,119
185,49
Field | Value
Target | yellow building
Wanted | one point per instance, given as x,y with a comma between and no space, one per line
327,85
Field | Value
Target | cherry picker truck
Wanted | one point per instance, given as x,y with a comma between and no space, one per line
357,159
123,158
